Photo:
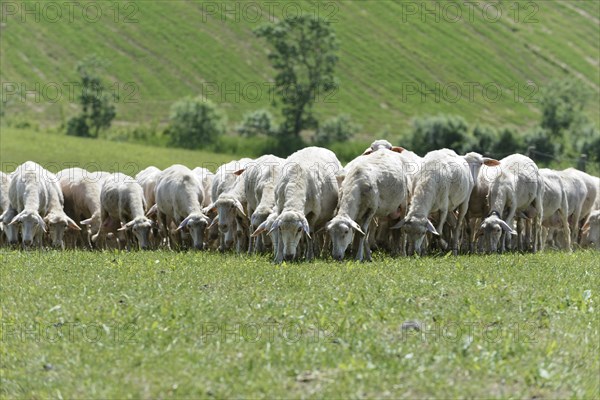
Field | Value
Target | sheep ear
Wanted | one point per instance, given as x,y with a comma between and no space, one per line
17,218
431,228
213,223
306,228
125,227
152,211
260,229
367,151
71,224
507,228
240,208
86,221
239,171
183,224
490,162
356,227
274,227
398,149
41,223
399,224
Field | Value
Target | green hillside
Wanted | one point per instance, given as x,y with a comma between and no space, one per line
486,67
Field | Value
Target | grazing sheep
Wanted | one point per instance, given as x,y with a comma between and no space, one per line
122,203
206,180
381,144
374,186
28,195
576,191
81,191
226,181
147,178
590,235
592,184
6,212
555,204
259,187
179,196
517,186
56,218
306,195
443,184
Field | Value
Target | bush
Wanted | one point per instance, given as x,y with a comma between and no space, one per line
336,129
77,126
506,143
589,142
438,132
258,122
484,139
194,123
540,146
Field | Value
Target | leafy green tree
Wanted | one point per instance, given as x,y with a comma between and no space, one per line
336,129
97,106
304,57
195,123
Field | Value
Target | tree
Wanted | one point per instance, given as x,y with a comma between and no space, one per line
194,123
304,56
97,108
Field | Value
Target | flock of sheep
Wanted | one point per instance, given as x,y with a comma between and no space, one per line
308,205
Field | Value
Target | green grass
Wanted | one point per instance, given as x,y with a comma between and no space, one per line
174,49
190,325
57,151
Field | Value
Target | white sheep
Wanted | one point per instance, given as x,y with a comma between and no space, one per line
590,235
226,182
28,195
147,179
592,184
306,195
179,196
56,218
122,206
381,144
555,204
206,180
373,186
444,183
577,192
6,212
515,186
259,187
81,191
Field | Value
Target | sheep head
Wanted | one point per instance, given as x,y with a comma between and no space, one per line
341,230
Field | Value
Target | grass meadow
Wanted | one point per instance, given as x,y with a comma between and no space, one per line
161,324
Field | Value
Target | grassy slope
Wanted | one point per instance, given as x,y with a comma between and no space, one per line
191,325
174,49
56,152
